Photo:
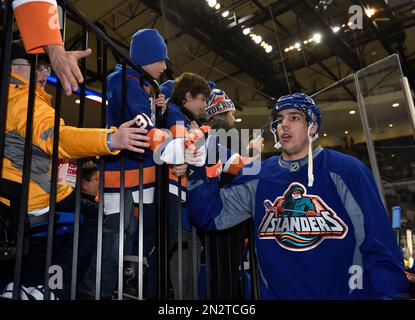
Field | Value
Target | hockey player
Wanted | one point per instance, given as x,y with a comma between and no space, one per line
346,250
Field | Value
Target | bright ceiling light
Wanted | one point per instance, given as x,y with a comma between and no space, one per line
370,12
325,134
212,3
352,112
286,49
225,13
246,31
258,39
305,41
297,45
291,48
94,98
346,132
77,101
217,7
317,37
390,125
238,120
395,105
336,29
268,49
264,44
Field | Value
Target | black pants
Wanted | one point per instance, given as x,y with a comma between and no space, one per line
34,265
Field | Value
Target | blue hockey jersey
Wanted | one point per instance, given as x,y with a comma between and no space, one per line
330,241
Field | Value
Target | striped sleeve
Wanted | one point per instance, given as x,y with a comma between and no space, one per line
38,22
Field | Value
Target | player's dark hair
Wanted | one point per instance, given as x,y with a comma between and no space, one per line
189,82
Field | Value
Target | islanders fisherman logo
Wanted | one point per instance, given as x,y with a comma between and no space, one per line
300,222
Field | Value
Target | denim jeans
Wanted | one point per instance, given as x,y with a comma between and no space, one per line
149,241
110,248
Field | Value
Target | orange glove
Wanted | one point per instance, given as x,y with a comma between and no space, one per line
195,135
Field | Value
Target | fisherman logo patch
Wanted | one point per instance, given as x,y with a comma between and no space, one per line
300,222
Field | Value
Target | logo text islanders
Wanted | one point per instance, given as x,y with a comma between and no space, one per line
298,221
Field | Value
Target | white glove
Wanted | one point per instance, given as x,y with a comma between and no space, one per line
173,153
195,157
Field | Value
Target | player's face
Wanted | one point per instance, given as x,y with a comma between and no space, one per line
195,104
292,133
155,69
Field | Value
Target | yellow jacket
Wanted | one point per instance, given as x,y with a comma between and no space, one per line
73,142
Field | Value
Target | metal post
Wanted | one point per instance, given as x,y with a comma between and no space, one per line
101,178
140,229
122,189
27,161
79,174
253,262
180,241
369,142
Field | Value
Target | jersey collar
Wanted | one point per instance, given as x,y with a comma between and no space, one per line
295,165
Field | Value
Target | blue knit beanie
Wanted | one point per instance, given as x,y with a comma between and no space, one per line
147,46
167,88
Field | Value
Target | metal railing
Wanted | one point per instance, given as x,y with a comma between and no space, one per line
19,204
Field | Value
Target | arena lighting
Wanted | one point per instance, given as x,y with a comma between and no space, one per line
352,112
317,37
291,48
325,134
268,49
53,80
336,29
246,31
390,125
370,12
212,3
297,45
77,101
225,13
238,120
258,39
395,105
346,132
217,7
286,49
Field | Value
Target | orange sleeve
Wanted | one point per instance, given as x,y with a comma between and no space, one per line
178,131
238,164
38,22
157,137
